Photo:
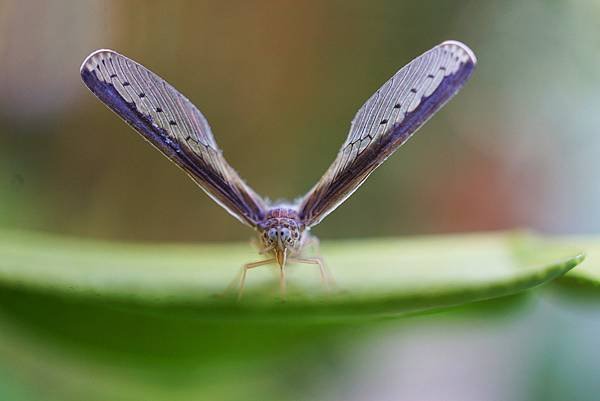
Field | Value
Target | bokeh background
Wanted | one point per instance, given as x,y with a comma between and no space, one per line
279,83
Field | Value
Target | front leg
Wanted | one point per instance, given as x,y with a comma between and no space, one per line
326,277
245,269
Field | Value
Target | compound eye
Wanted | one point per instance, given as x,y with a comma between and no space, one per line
285,234
272,235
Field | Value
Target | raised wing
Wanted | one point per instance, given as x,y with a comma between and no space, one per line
173,125
387,120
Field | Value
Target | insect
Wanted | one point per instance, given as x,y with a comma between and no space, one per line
174,126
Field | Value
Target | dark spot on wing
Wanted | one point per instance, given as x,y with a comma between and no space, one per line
142,95
413,90
397,106
172,122
442,68
430,76
159,110
384,121
113,75
126,83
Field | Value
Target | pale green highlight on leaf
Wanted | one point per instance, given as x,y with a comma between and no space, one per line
588,274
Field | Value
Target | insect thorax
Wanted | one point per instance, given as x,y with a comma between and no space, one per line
281,228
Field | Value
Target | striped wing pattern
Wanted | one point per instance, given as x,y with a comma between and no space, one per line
172,124
387,120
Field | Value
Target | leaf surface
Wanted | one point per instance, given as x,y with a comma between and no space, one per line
374,278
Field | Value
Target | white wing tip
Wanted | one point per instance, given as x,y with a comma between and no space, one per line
87,63
462,46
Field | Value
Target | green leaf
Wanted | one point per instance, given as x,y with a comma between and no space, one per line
374,278
82,319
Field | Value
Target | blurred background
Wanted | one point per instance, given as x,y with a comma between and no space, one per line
517,147
279,83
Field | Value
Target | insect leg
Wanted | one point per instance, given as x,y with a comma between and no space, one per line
245,269
326,278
